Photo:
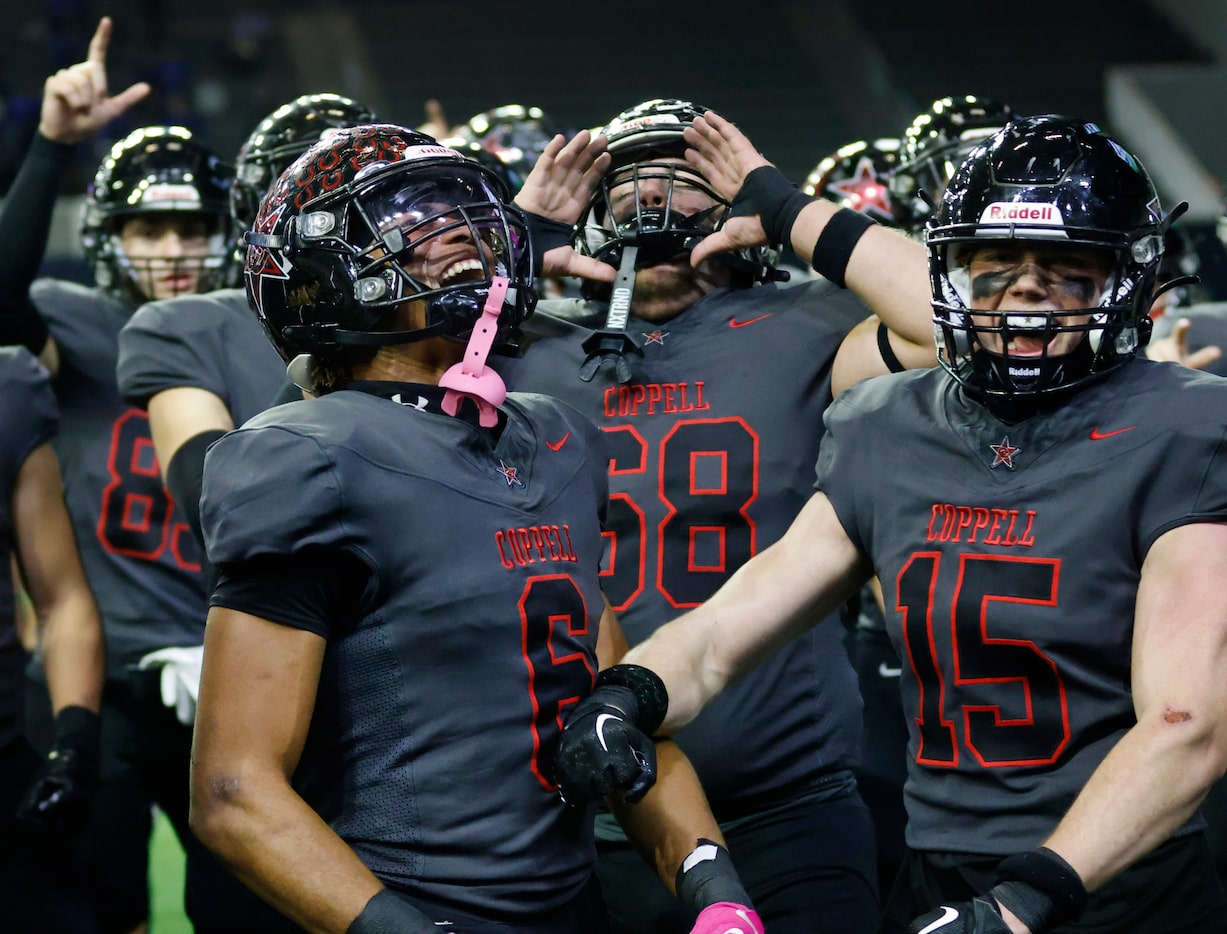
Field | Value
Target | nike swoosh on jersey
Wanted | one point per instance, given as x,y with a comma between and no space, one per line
557,445
600,728
948,915
887,672
734,323
1097,435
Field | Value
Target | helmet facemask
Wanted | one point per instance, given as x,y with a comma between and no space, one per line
974,344
406,254
146,276
665,231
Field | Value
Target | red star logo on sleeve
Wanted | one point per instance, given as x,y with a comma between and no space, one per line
864,190
655,337
1004,452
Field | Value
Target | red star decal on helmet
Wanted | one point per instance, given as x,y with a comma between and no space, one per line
655,337
263,263
1004,453
510,474
864,190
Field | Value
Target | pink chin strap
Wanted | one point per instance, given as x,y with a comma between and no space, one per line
471,378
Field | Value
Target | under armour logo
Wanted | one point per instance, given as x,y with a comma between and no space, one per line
420,405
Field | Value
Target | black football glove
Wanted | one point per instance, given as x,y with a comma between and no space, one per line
606,746
978,916
385,913
59,799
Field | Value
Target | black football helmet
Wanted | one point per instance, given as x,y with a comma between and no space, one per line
638,139
345,237
1048,179
857,176
514,134
933,145
154,169
282,137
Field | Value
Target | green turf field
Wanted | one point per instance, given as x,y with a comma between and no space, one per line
166,881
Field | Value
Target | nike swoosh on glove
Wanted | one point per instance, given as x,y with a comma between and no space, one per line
180,678
978,916
602,751
727,918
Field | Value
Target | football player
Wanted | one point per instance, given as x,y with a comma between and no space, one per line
199,363
710,383
42,805
1053,547
408,595
154,224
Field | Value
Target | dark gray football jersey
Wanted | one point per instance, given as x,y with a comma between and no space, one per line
141,559
713,446
439,713
212,342
1010,557
27,420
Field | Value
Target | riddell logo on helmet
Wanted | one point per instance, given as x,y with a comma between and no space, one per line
653,120
169,192
1015,213
421,152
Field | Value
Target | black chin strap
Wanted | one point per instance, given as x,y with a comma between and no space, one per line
611,343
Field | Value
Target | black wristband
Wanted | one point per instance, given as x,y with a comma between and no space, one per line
1040,888
78,729
708,876
650,695
546,234
768,193
385,913
836,242
887,351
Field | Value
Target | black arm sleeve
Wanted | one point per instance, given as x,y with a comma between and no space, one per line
25,223
319,589
185,477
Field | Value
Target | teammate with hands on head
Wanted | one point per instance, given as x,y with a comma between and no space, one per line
408,594
1064,701
668,361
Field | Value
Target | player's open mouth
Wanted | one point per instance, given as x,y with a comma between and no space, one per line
465,270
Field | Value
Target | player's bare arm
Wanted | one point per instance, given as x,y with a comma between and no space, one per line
51,570
257,692
1158,773
181,413
767,602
